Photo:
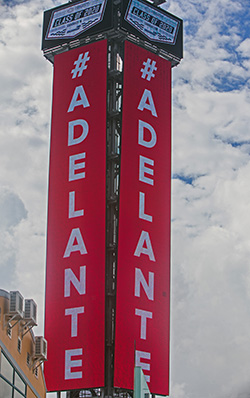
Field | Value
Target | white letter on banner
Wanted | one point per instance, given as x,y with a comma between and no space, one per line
74,318
71,130
144,238
145,366
72,212
141,141
143,169
79,91
148,287
144,315
69,364
80,246
142,214
147,96
73,166
69,277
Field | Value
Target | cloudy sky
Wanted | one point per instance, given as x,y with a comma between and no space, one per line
210,326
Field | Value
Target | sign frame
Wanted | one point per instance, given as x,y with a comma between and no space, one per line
104,22
149,14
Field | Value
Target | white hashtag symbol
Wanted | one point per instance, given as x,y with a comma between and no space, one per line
148,70
80,64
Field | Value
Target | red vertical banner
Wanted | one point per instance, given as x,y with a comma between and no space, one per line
143,271
75,276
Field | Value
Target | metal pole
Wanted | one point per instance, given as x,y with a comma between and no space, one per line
113,160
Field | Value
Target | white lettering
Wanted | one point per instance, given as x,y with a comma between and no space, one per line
72,212
71,131
69,364
143,170
144,238
147,96
70,277
144,315
73,166
74,318
141,139
79,246
148,287
142,214
145,366
79,91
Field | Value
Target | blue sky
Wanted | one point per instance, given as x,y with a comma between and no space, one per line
210,305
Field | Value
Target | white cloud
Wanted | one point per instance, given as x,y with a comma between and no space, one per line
25,103
244,48
211,247
12,212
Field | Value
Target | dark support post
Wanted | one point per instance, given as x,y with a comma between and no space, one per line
114,103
